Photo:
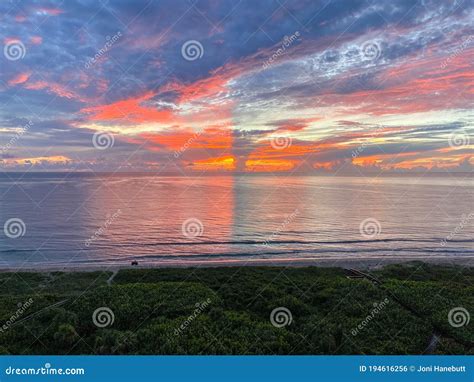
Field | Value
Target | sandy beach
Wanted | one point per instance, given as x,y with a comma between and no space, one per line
358,263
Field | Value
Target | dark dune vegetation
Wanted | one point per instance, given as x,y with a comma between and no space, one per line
227,311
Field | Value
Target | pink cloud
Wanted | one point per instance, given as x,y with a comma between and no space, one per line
50,11
54,88
20,18
9,40
36,40
19,79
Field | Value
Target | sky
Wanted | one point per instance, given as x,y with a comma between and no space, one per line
188,86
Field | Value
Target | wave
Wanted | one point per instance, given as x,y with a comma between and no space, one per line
260,243
282,251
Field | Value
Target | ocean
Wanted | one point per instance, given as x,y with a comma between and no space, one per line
80,220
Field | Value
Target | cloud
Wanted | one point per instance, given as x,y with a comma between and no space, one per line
36,40
131,110
19,78
52,87
401,69
48,11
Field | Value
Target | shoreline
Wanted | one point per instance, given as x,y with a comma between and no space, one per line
368,264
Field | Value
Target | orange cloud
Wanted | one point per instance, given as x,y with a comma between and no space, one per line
186,141
130,110
440,158
226,163
412,86
19,79
267,165
36,160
